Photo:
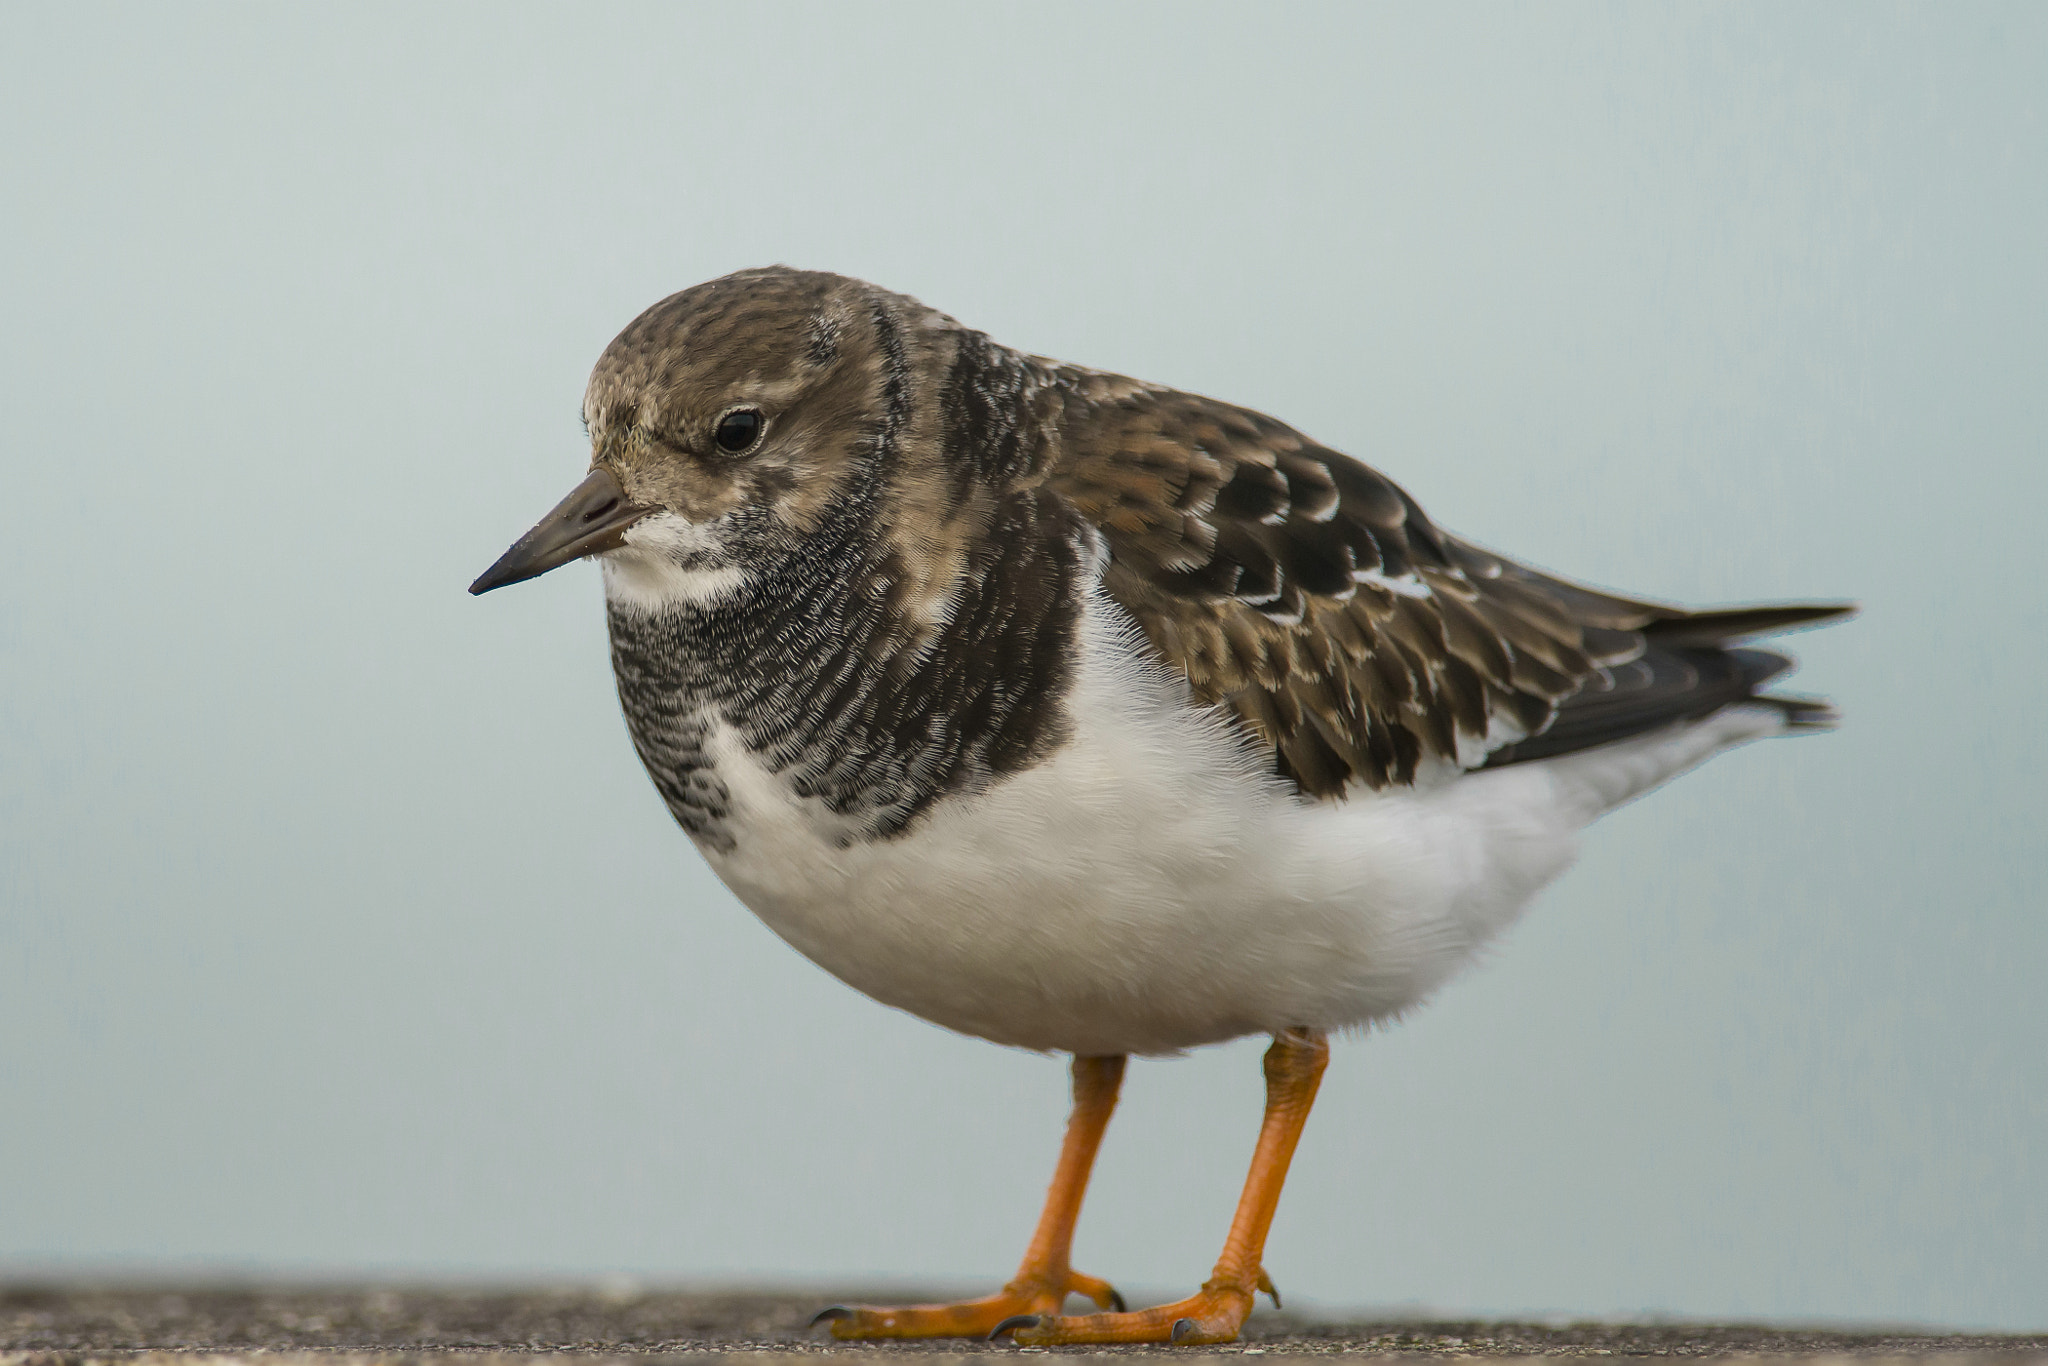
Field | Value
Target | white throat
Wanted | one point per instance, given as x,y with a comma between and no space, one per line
669,561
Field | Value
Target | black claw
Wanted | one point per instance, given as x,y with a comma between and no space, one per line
1116,1301
828,1313
1273,1294
1183,1328
1012,1324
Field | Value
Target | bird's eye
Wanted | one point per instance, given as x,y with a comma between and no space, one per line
738,430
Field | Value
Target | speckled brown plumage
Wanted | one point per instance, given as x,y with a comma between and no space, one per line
1311,596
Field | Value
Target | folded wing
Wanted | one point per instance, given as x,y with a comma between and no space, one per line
1313,598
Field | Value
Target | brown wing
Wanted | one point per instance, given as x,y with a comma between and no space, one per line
1312,597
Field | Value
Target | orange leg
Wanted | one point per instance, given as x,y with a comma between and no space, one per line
1044,1280
1294,1067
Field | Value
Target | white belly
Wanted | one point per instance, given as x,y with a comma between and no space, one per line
1147,889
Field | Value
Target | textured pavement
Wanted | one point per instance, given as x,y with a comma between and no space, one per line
71,1324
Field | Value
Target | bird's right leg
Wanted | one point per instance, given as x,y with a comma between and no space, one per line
1045,1279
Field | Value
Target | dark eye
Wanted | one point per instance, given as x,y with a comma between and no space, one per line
738,430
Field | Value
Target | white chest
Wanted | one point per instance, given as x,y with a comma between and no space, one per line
1145,889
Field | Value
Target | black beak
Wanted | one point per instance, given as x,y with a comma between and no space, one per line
590,521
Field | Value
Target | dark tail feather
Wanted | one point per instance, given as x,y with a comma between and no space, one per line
1671,683
1759,667
1740,623
1805,713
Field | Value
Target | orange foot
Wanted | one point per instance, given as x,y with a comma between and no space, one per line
1027,1298
1212,1314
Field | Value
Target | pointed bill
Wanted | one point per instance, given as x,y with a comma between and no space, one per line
591,520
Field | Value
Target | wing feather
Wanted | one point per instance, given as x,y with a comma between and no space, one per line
1312,597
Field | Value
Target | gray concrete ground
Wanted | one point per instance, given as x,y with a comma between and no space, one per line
73,1324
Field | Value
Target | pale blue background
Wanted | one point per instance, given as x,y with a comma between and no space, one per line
342,933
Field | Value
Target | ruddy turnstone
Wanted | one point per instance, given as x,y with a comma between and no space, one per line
1082,714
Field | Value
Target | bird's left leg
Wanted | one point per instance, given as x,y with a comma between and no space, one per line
1045,1279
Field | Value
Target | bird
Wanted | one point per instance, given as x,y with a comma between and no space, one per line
1085,715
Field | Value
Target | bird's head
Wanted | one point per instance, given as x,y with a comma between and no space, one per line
732,423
